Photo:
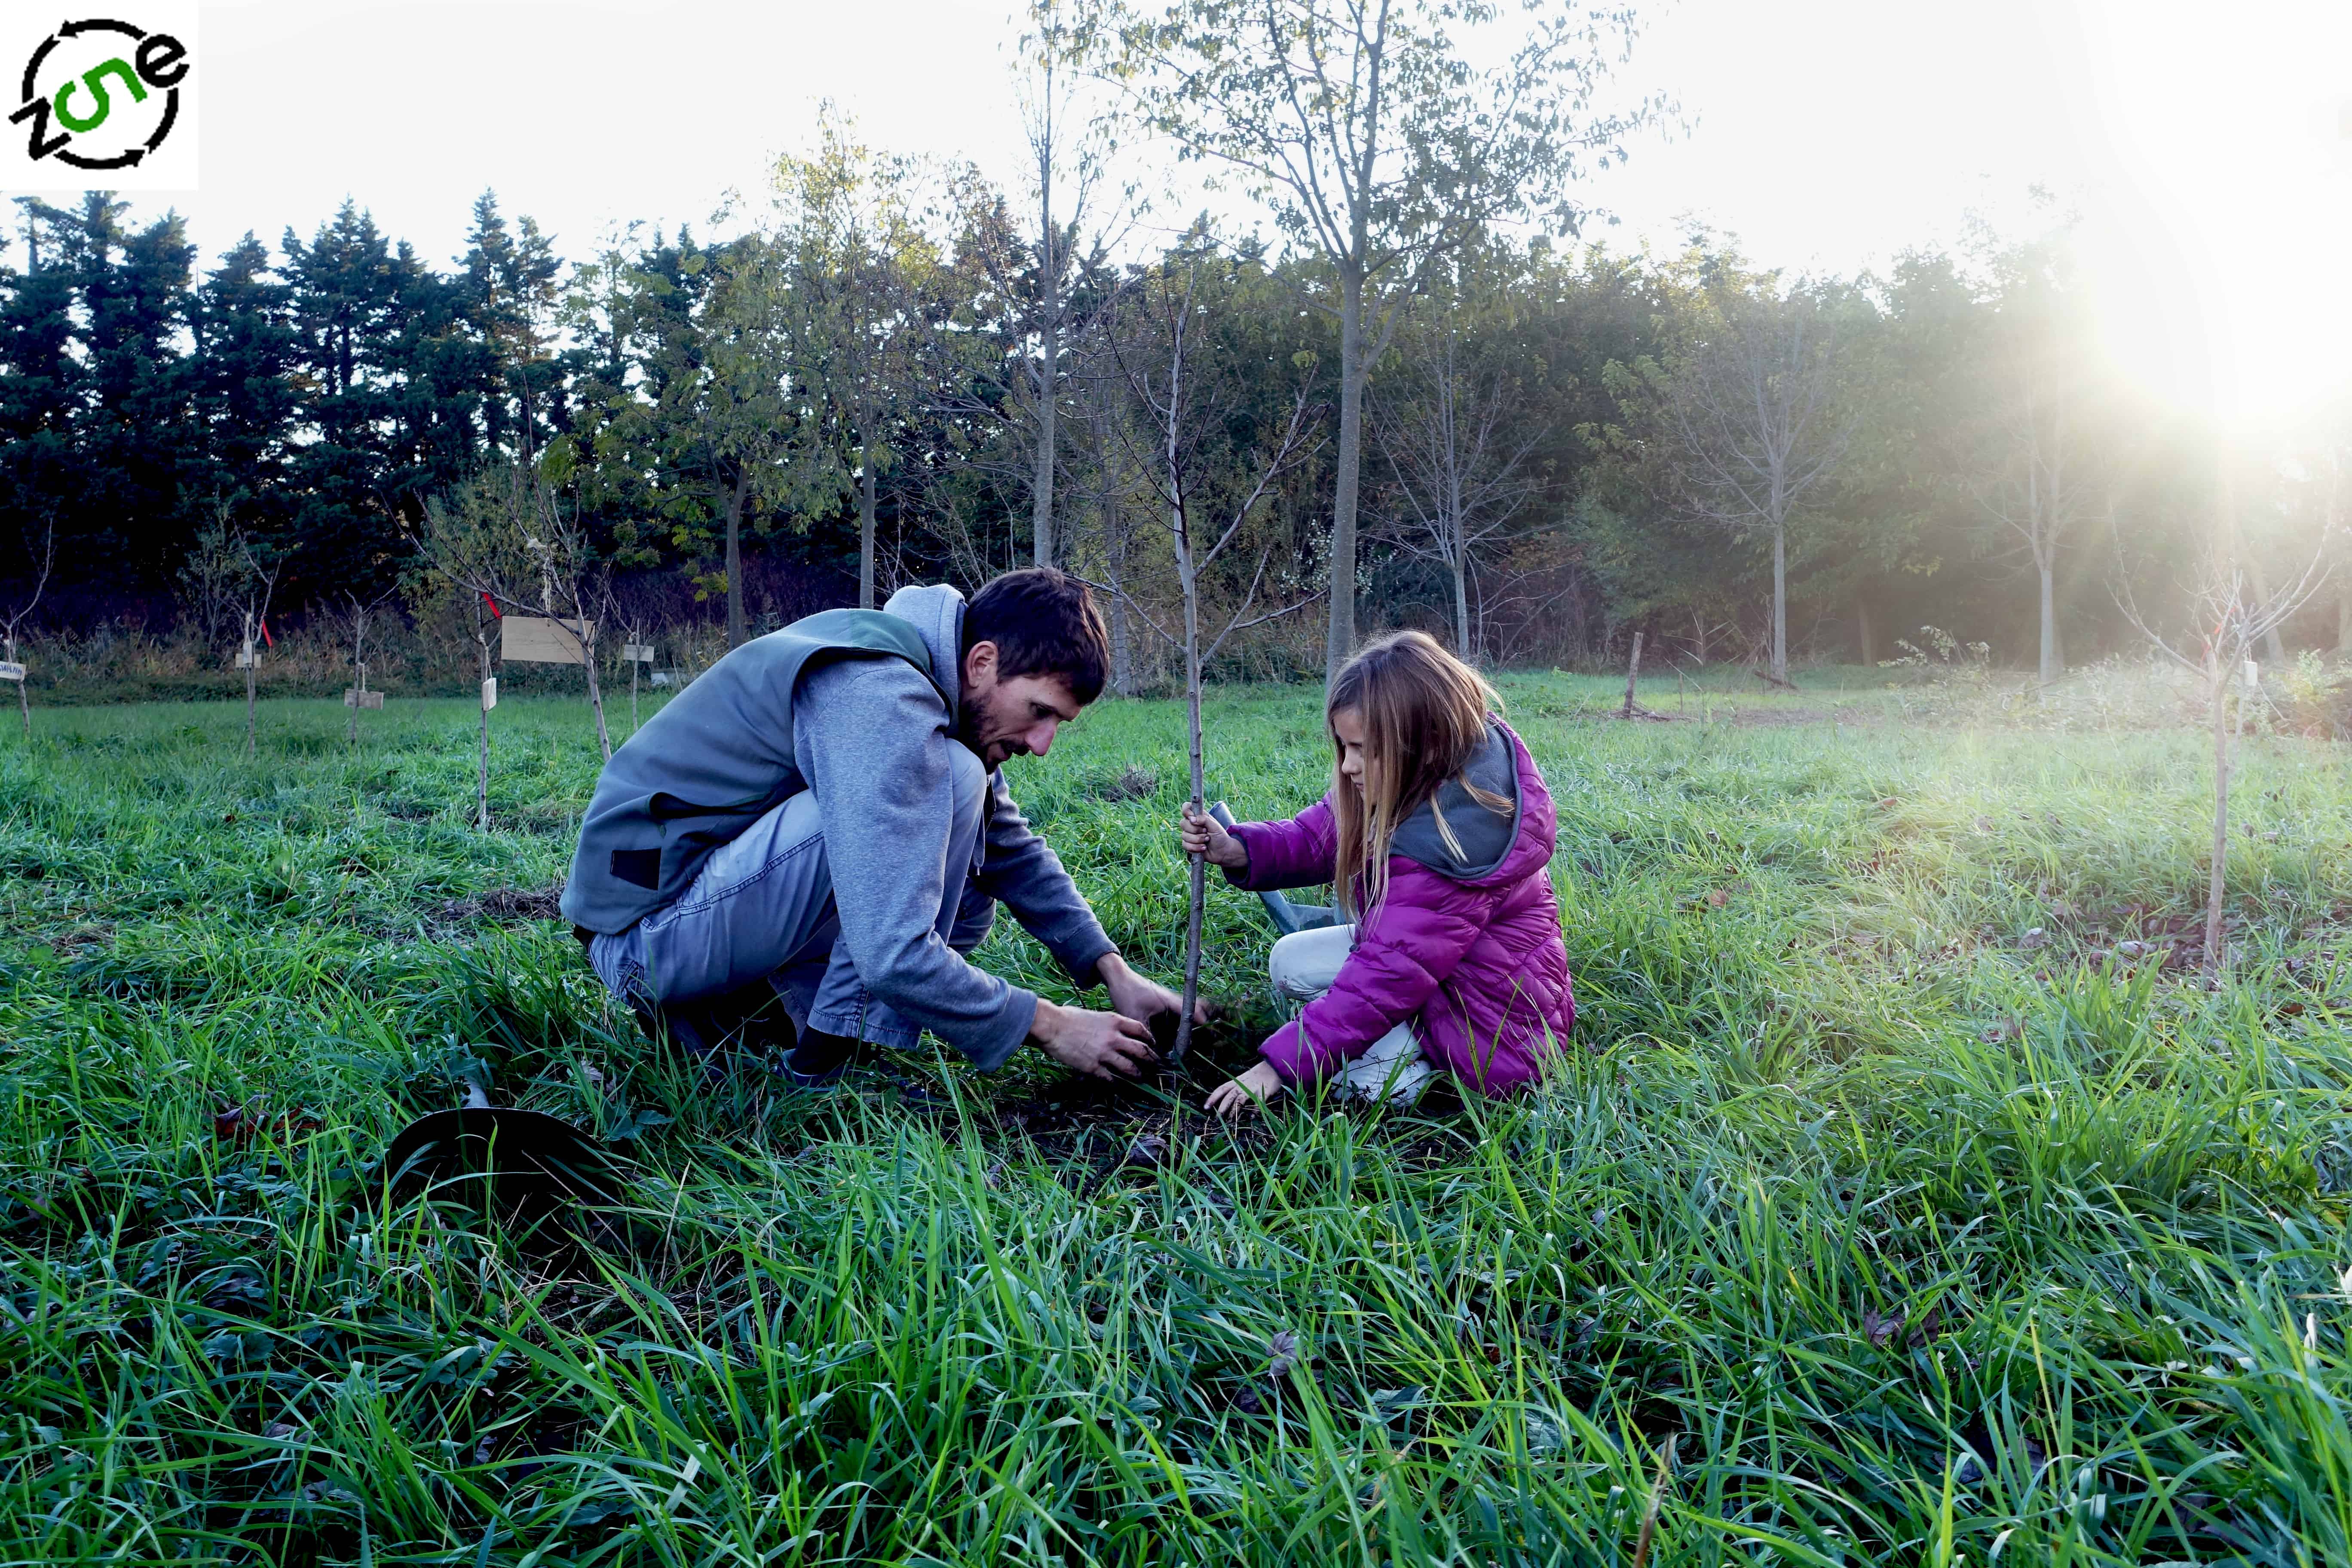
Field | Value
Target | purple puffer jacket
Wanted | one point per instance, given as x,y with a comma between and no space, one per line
1477,960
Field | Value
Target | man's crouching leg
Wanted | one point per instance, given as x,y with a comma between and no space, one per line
714,964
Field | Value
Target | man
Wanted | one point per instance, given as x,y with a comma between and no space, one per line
822,817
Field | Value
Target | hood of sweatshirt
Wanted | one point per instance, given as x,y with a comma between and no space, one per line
936,615
1481,837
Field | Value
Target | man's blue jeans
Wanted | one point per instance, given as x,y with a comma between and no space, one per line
763,904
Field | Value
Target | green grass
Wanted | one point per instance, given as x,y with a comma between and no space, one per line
1826,1080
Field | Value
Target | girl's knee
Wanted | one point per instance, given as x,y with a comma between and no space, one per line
1304,964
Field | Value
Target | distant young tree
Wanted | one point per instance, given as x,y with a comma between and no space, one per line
354,617
1747,410
2039,410
1379,147
2226,618
1449,422
250,569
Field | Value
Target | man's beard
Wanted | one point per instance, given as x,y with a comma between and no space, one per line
970,718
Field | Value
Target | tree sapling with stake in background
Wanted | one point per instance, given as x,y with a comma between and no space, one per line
256,584
356,615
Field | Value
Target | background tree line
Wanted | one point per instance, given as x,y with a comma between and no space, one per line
887,373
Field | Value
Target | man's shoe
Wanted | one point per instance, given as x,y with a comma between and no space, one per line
816,1060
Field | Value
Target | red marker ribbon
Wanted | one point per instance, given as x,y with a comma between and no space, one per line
493,604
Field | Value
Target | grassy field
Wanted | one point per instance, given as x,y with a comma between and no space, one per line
1898,1205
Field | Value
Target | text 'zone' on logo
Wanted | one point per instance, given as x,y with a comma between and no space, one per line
101,94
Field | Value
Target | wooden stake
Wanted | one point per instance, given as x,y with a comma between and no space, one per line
1633,673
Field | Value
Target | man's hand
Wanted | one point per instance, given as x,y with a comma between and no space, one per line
1099,1044
1252,1088
1203,836
1138,997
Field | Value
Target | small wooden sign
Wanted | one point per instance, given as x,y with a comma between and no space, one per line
11,670
490,693
541,640
245,656
637,653
354,698
2253,675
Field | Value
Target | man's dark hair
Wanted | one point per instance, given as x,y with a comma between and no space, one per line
1043,621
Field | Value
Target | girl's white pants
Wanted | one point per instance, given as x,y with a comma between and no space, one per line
1303,967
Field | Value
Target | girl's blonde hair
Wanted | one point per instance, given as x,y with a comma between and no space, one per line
1424,715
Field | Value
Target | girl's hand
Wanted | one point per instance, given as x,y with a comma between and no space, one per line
1255,1087
1202,835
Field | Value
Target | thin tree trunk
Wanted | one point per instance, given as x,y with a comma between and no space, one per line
1780,605
2047,571
1122,646
1199,879
735,628
1632,674
1041,520
252,659
1865,633
1698,624
1341,642
482,768
2272,644
2221,685
633,696
24,700
1462,609
595,691
865,487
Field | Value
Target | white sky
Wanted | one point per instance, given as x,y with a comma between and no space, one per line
2209,146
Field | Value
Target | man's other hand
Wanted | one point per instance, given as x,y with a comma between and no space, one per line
1100,1045
1141,998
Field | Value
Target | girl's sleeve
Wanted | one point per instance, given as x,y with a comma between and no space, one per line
1411,946
1294,854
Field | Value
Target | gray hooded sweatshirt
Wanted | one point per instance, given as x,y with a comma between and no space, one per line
872,738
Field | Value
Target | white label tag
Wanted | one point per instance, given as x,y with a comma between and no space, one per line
11,671
2254,675
541,639
244,657
371,699
637,653
490,693
350,697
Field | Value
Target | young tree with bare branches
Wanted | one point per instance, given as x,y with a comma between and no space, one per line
1457,455
355,616
1186,411
1750,413
2227,617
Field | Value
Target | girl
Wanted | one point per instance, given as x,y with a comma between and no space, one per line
1437,834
